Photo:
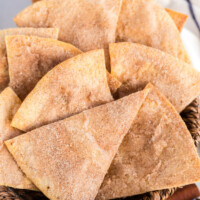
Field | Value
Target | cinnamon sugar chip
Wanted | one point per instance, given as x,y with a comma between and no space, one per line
178,18
30,58
42,32
68,159
113,83
72,86
10,174
154,155
86,24
145,22
135,65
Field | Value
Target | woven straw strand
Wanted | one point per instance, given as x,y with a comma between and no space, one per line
191,117
7,194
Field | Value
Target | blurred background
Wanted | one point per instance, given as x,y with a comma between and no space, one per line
8,10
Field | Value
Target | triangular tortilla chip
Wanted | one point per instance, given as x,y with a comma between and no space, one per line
42,32
157,153
78,150
76,84
145,22
178,18
37,56
135,65
10,174
86,24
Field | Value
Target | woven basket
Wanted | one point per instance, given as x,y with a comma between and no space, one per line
190,115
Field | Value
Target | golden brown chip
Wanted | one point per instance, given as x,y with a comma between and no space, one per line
42,32
179,18
113,83
145,22
10,174
78,150
135,65
30,58
157,153
4,78
72,86
86,24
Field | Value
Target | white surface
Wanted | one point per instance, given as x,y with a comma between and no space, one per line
192,44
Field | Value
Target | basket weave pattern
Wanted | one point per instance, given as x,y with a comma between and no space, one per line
191,116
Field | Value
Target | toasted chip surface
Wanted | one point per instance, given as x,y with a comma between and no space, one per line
87,24
42,32
10,174
135,65
145,22
30,58
178,18
113,83
153,154
78,150
4,79
72,86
